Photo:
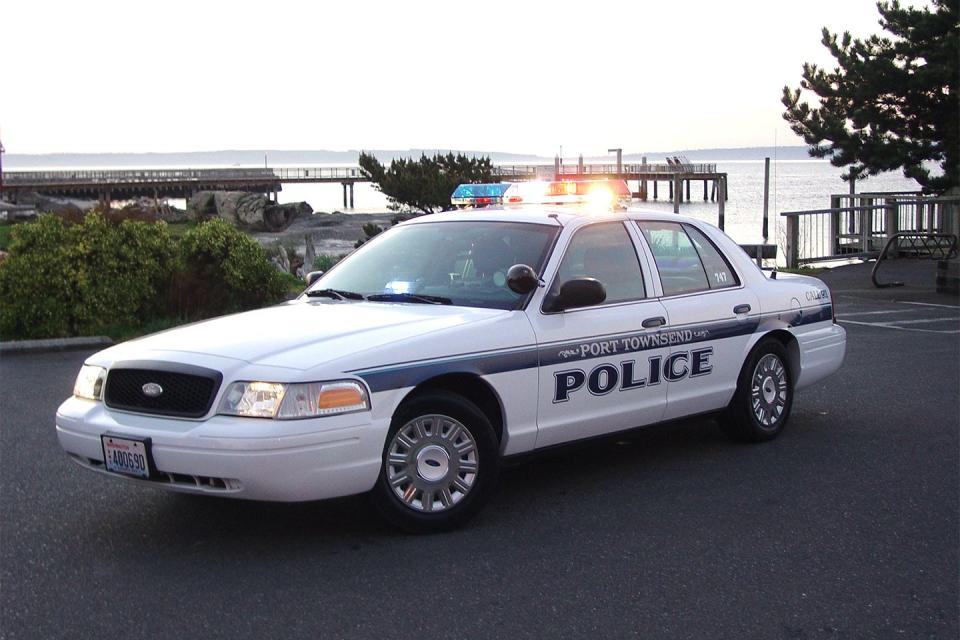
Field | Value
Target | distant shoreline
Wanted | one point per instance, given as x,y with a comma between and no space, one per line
255,158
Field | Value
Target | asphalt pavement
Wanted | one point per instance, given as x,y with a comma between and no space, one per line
845,526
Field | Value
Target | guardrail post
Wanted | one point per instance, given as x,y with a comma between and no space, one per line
721,201
834,226
891,224
793,242
675,187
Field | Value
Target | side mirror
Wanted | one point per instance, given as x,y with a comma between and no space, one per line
522,279
576,293
313,276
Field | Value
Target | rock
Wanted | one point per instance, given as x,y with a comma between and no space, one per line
201,205
281,261
309,252
277,217
250,211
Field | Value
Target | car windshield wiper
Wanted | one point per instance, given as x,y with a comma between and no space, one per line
408,297
337,294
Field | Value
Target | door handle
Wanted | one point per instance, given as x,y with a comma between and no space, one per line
741,308
650,323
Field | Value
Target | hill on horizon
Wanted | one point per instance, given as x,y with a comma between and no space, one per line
14,161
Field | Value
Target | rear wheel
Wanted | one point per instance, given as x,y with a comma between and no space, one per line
440,463
761,405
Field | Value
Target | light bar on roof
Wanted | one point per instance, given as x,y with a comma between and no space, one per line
479,194
607,193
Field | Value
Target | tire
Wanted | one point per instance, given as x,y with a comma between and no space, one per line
761,405
441,461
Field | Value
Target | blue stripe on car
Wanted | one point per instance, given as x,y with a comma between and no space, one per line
409,374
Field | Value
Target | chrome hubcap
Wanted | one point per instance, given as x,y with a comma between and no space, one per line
769,390
432,463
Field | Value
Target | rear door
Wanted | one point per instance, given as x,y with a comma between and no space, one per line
713,313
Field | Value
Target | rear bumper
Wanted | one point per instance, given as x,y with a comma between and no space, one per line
821,353
236,457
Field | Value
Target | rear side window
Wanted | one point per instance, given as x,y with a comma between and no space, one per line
677,259
719,273
604,251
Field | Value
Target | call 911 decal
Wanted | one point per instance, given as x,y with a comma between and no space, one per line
605,377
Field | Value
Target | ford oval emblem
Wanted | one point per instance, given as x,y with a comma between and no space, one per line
152,390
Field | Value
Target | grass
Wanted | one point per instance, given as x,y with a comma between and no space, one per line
121,332
804,271
177,229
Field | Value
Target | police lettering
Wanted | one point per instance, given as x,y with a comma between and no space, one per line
606,377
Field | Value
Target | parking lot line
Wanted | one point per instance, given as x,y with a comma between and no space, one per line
886,325
930,304
874,313
921,321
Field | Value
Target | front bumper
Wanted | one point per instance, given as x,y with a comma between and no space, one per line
248,458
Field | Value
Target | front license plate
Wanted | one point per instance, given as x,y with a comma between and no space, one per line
127,456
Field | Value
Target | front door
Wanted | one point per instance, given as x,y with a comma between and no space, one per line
600,367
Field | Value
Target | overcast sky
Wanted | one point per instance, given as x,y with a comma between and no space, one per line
129,76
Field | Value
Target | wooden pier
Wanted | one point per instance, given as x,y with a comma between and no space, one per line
107,185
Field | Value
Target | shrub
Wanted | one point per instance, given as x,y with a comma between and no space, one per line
325,261
78,280
223,270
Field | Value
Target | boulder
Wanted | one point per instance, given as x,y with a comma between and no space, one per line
309,252
250,211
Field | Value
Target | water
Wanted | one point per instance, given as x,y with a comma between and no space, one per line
794,185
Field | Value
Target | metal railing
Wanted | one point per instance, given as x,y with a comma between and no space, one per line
548,170
131,176
858,225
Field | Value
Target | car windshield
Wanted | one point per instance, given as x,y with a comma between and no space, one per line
460,263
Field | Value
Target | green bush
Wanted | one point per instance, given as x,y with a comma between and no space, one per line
325,261
78,280
100,277
224,270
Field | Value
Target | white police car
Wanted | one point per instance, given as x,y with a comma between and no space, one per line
411,368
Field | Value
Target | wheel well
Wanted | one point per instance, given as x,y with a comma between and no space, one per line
789,342
471,387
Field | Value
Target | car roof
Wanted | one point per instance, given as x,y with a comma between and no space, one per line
565,215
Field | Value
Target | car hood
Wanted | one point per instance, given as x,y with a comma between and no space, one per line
301,334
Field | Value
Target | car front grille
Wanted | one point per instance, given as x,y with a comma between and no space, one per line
185,391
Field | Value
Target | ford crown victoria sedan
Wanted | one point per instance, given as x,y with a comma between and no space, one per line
415,365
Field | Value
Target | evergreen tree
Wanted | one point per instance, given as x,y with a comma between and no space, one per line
426,184
891,102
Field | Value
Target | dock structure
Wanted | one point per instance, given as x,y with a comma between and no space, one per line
107,185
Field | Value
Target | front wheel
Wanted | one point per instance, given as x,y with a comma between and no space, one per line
440,464
761,405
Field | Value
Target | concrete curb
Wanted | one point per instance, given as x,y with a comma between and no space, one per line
53,344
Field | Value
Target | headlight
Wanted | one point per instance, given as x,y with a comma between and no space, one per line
89,382
292,401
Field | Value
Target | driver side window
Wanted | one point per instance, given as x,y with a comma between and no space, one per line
605,252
